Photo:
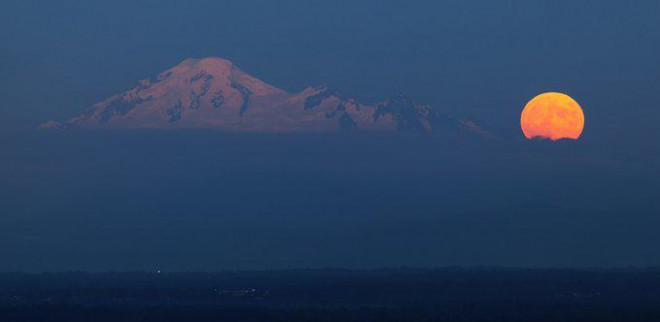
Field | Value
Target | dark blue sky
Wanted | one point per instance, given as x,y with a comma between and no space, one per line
478,58
207,201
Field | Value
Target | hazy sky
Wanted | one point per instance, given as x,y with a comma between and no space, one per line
206,201
479,58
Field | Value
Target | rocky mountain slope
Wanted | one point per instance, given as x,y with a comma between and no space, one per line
213,93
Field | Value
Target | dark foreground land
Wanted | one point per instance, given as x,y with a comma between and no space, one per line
335,295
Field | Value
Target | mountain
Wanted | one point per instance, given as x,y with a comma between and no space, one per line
214,93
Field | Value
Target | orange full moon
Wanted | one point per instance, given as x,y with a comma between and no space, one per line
552,116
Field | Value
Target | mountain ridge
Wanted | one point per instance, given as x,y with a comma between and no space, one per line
213,93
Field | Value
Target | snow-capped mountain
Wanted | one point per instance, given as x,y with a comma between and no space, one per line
213,93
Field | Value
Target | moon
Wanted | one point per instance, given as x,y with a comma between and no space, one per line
552,116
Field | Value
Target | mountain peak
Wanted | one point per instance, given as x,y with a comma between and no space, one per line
214,93
212,63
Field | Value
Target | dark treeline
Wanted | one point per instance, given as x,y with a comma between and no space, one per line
78,313
335,295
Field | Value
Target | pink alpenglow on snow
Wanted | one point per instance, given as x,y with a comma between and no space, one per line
212,93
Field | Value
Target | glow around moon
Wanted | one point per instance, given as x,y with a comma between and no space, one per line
552,116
